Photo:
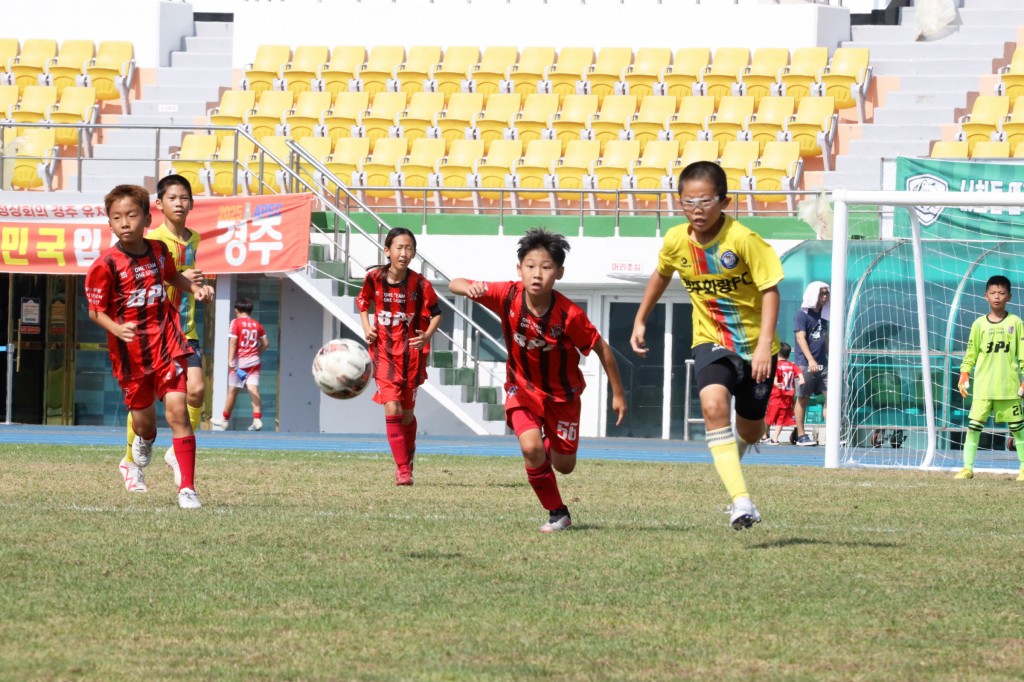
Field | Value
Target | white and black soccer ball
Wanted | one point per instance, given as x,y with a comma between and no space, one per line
342,368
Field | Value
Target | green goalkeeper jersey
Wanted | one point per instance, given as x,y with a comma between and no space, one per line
994,353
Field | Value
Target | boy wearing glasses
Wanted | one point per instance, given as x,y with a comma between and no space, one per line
732,277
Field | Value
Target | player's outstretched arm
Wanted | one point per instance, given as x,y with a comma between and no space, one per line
656,286
460,286
611,368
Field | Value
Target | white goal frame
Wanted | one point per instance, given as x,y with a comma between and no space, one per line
842,200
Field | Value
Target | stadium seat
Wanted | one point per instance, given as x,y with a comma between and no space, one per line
762,76
264,175
498,116
779,168
268,116
379,121
538,113
458,117
303,120
266,68
494,67
728,120
9,48
34,104
349,154
225,176
112,72
496,171
688,123
687,66
990,149
1018,151
572,170
456,170
535,169
191,158
380,167
1012,127
35,160
612,122
1011,76
31,62
950,149
847,78
77,105
233,111
317,147
652,121
9,97
531,68
645,71
698,150
307,62
454,70
336,77
343,114
614,170
568,71
417,170
418,66
737,160
416,121
656,171
721,77
68,67
984,123
373,77
797,79
572,118
814,127
767,124
607,71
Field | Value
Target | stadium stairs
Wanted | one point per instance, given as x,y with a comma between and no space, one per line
935,80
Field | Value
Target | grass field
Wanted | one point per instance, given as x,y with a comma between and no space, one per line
316,567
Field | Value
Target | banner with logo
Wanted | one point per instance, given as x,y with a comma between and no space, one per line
945,222
238,235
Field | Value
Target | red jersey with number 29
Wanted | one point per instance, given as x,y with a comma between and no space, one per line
543,352
130,288
248,332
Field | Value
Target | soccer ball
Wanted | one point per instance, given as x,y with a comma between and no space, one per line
342,368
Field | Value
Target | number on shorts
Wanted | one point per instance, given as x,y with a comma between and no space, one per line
567,431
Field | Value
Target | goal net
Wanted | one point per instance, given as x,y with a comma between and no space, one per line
901,318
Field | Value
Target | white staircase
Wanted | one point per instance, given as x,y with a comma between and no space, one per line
935,79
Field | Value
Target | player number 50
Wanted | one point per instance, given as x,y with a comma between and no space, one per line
567,430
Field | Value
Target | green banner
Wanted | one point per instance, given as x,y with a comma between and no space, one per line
945,222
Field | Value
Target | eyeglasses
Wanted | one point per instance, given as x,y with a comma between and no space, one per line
704,203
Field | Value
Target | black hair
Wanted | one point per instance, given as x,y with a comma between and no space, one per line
243,305
784,350
538,238
393,234
705,170
170,181
999,281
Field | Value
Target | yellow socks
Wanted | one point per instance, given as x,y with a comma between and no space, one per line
726,454
131,439
195,415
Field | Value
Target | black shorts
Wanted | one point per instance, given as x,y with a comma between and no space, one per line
196,358
713,364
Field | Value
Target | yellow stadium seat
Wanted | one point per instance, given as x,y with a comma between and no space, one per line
8,99
68,67
1011,76
235,107
379,68
652,121
721,77
572,64
416,172
687,67
379,169
346,60
343,114
798,79
268,116
538,114
814,127
498,116
77,105
572,169
457,169
35,160
317,147
779,168
1018,151
264,173
730,118
950,149
494,68
462,110
991,149
612,122
613,170
455,69
535,169
307,62
31,62
266,68
767,124
112,72
985,120
379,121
531,68
35,103
349,154
9,48
416,121
645,71
689,121
847,78
737,160
656,171
225,176
1013,125
698,150
302,121
572,118
496,171
421,62
602,77
762,76
191,158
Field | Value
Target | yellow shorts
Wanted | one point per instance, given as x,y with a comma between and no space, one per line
1005,411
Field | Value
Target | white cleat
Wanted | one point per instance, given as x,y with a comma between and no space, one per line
187,499
134,481
218,424
743,514
171,460
257,425
553,526
142,450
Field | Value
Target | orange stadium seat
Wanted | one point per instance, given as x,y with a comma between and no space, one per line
266,68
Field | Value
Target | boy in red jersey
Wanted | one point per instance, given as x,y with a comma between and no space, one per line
127,297
780,405
246,343
545,333
405,315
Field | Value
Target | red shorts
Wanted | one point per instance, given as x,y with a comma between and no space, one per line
393,392
559,422
780,411
142,392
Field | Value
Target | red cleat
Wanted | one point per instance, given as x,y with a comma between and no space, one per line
403,476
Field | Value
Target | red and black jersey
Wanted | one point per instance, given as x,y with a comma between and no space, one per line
543,352
399,311
130,288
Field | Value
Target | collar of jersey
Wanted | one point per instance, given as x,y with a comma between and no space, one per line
718,237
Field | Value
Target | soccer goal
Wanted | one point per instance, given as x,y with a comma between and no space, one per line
902,309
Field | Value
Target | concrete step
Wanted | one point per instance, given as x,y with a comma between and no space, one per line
896,132
169,93
889,148
895,115
837,180
933,67
929,83
116,168
905,33
179,109
144,139
130,153
857,164
987,4
181,77
926,99
925,50
218,44
1003,15
215,29
201,60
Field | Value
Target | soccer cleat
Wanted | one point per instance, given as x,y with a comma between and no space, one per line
403,475
187,499
557,523
805,440
1021,476
142,450
743,514
134,481
966,473
773,442
171,460
218,424
257,425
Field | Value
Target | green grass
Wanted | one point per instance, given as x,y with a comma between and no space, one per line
316,567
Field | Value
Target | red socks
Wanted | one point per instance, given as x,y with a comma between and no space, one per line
397,440
410,437
542,480
185,452
257,415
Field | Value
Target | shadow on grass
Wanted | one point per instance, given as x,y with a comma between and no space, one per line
788,542
435,555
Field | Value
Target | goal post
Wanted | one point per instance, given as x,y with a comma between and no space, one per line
901,312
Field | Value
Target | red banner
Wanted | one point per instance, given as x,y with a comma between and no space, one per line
239,235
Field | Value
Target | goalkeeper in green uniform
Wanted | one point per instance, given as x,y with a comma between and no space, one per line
995,351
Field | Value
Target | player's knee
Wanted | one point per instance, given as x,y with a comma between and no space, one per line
975,425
